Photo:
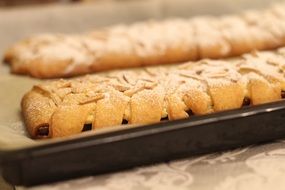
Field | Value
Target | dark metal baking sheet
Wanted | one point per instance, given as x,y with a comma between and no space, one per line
123,149
113,151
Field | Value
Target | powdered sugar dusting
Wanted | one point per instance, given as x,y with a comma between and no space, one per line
153,42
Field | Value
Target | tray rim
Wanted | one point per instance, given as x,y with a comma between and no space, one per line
135,132
223,132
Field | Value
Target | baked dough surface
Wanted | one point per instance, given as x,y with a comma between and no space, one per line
147,95
148,43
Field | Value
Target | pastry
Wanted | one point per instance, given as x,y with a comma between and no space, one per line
148,43
150,94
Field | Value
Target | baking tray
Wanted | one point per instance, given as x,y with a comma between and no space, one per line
93,154
24,161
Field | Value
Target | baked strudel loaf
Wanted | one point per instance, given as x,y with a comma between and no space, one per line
148,95
148,43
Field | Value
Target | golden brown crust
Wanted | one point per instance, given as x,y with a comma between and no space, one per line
68,120
148,43
262,91
37,110
147,95
198,102
226,96
110,110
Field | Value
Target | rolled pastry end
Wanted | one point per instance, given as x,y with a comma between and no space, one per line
37,110
8,56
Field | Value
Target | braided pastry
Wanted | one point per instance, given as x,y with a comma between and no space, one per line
148,43
148,95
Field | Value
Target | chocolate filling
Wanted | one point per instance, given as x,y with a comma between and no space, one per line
124,122
164,119
189,112
43,130
246,101
87,127
282,93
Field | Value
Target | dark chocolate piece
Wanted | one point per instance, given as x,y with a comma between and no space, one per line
43,130
164,119
246,101
124,122
282,93
189,112
87,127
